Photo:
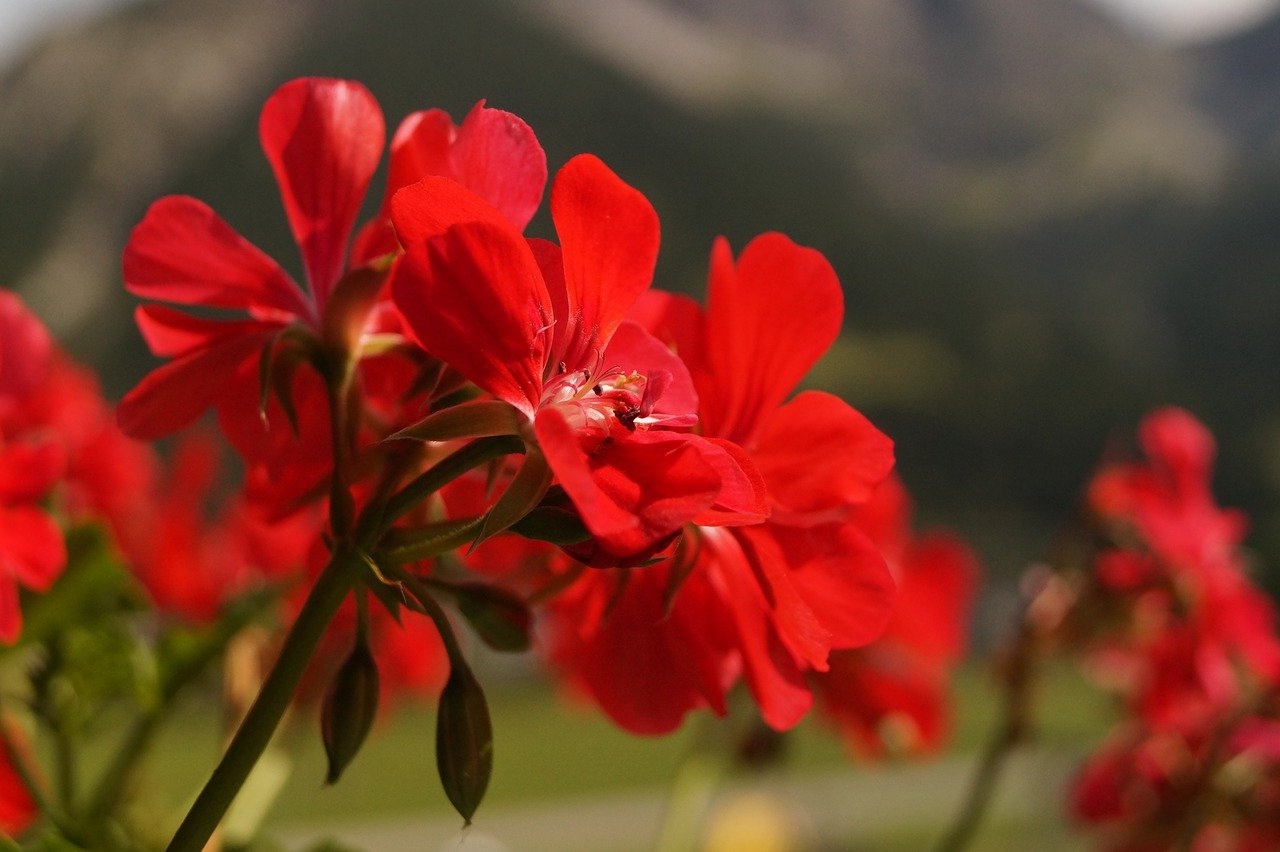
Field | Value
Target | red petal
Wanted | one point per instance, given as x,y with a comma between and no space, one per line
1178,443
182,252
497,156
769,319
775,679
634,492
174,394
863,690
494,154
794,620
635,350
172,333
431,206
938,580
419,149
840,576
743,498
10,613
31,547
29,470
609,238
676,320
25,347
644,669
819,458
475,299
324,139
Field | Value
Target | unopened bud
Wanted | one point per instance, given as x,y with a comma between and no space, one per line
349,708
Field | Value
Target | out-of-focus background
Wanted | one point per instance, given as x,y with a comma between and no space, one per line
1049,216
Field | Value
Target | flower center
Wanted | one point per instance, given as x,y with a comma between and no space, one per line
593,400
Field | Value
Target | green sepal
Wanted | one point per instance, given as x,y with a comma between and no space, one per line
525,491
280,358
401,546
553,524
477,418
464,740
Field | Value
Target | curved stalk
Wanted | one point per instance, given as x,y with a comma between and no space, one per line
1015,721
255,731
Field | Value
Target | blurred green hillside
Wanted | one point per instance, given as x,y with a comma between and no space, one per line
1044,227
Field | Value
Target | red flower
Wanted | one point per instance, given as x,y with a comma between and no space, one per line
324,139
192,564
768,601
1179,568
541,327
32,550
1169,499
895,689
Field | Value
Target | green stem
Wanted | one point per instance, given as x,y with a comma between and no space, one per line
427,606
254,733
692,792
442,473
1015,721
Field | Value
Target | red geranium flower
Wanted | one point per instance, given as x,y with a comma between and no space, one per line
324,139
768,601
541,327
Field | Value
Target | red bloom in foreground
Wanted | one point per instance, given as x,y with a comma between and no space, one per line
324,139
541,327
766,601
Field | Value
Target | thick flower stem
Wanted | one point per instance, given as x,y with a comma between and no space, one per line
254,733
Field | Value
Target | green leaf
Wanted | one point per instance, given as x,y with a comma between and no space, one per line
464,741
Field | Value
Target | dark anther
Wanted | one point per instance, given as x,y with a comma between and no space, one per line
628,418
597,390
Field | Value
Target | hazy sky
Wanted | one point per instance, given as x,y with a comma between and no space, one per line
1189,19
24,20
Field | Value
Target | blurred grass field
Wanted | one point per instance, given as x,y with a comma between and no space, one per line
565,778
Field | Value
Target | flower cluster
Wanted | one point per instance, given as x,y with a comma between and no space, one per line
1169,621
683,523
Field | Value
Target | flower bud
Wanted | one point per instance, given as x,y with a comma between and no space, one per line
464,741
349,708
